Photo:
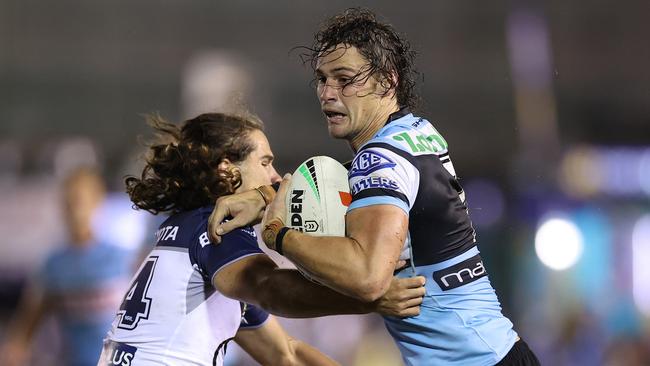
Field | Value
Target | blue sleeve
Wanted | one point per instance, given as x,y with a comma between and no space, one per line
47,274
235,245
252,316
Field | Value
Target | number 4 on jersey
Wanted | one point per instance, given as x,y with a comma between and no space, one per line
136,304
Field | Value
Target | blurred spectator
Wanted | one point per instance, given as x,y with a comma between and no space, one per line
80,284
628,351
581,340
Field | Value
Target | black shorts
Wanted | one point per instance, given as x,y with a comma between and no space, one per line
519,355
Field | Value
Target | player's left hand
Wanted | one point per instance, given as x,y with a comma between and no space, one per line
277,209
245,208
403,298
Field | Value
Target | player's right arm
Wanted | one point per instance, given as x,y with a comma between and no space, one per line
285,292
270,344
240,270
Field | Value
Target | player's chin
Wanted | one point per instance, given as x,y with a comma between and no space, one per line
336,131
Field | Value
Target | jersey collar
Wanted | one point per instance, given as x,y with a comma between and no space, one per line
397,115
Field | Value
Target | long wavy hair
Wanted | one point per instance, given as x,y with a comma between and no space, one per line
181,166
387,52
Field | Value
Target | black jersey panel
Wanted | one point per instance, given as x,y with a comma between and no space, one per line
439,224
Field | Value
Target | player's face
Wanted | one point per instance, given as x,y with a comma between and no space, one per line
349,107
257,169
81,198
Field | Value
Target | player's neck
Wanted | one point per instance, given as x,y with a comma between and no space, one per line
373,126
81,236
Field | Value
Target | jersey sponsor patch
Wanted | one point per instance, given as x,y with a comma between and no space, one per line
374,182
166,233
368,161
460,274
117,354
418,142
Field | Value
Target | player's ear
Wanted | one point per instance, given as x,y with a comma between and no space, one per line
230,171
393,84
226,166
388,85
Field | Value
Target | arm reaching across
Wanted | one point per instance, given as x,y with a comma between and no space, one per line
284,292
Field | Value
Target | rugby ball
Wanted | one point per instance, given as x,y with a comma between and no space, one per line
318,198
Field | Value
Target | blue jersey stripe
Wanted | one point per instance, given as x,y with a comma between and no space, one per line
379,200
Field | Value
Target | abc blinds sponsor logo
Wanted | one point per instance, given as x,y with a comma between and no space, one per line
374,182
369,161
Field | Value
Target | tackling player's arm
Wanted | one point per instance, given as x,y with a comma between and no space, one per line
360,265
269,344
257,279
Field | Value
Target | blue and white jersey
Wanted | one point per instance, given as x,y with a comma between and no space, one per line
407,164
172,314
85,286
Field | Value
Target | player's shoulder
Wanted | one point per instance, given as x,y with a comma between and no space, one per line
386,148
409,136
190,227
181,229
245,233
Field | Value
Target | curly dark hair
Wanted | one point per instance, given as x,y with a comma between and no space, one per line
387,52
181,167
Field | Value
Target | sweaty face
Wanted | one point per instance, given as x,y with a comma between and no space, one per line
350,98
257,169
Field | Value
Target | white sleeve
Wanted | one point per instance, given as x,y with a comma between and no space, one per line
381,176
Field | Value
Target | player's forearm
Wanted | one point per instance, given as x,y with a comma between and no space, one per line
341,263
309,356
287,293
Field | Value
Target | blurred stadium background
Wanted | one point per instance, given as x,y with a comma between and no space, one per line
545,105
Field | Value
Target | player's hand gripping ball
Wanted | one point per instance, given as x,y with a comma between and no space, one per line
318,198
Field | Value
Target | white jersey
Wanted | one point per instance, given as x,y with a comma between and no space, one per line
172,315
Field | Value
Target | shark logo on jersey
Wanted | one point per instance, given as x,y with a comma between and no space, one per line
369,161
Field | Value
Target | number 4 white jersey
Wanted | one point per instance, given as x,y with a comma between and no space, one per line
171,314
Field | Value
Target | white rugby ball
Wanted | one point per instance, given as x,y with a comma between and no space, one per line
318,198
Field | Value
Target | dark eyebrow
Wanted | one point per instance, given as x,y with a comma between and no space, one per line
344,68
336,70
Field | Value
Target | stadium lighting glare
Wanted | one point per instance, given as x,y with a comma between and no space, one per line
558,243
641,264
